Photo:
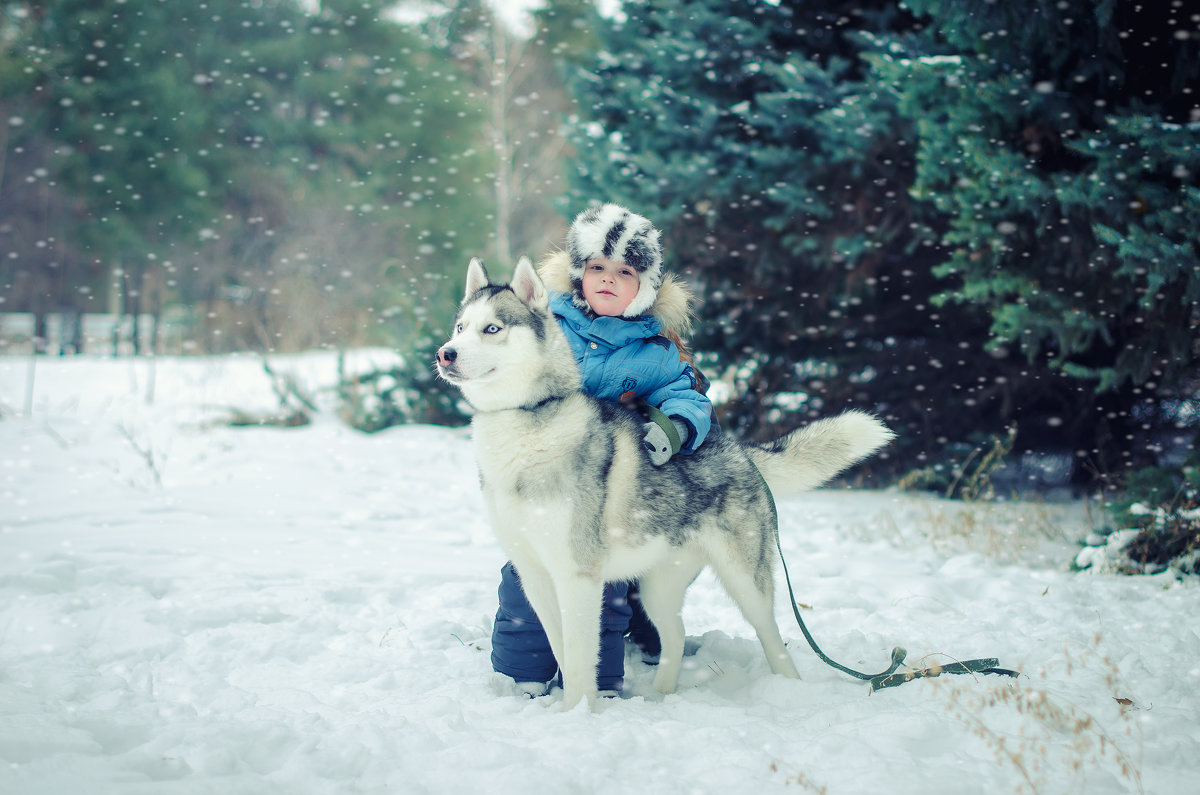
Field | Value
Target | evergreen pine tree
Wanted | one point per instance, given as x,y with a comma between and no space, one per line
965,215
750,132
1062,156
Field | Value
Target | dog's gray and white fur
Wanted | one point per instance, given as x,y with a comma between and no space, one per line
575,501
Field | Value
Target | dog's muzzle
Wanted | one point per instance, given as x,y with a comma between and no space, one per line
446,357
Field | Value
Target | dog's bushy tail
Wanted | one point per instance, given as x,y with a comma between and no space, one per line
809,456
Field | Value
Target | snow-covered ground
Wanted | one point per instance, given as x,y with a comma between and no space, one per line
192,608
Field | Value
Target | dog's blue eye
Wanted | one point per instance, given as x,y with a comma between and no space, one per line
491,329
458,329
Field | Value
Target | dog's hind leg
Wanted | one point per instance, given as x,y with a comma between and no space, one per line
662,590
580,600
755,597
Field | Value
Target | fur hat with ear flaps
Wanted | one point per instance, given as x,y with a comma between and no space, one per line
612,232
670,299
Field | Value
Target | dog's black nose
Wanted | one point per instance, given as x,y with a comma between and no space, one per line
446,356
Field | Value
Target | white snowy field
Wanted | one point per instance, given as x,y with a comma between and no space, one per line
191,608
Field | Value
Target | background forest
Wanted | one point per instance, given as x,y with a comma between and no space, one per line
976,218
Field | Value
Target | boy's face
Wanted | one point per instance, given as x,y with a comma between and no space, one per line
609,287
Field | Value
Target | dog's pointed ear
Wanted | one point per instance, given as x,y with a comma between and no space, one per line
528,285
477,278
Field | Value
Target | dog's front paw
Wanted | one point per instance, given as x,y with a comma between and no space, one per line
666,680
573,697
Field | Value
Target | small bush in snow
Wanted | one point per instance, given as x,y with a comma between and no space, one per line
1159,517
407,393
969,475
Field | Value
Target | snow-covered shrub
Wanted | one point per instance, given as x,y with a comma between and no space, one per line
406,393
296,404
1159,520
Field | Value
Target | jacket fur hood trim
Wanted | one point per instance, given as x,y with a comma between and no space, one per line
672,305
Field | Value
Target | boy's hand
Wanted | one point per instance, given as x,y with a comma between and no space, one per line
657,444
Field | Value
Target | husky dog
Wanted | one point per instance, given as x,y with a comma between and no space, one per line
575,501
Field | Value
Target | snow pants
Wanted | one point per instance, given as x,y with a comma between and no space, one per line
521,650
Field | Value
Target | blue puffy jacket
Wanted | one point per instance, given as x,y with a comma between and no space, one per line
620,359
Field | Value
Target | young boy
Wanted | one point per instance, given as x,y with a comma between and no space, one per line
617,308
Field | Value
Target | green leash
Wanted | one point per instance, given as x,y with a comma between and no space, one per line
888,678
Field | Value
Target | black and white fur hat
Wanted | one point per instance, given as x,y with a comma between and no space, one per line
612,232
